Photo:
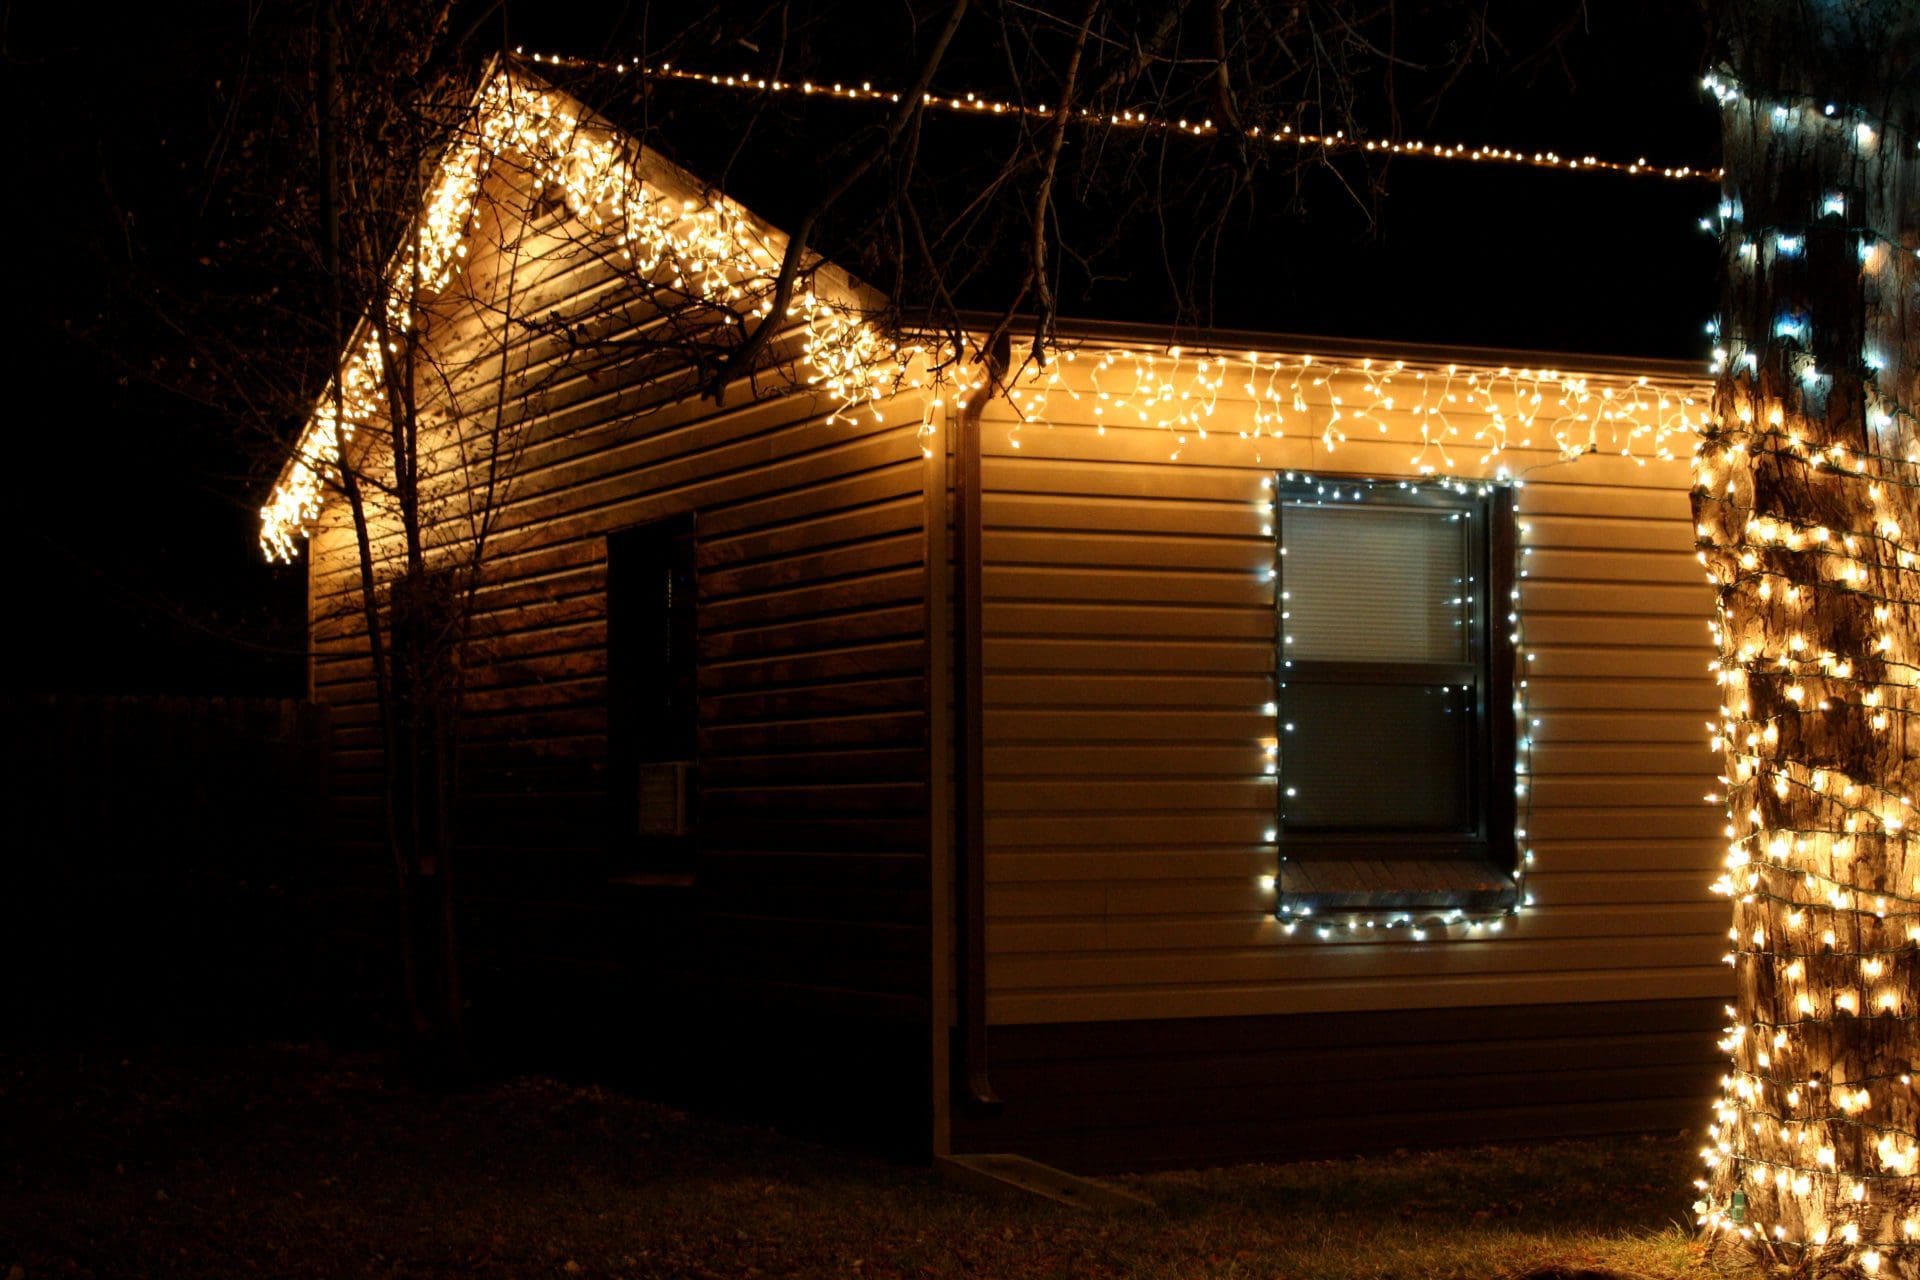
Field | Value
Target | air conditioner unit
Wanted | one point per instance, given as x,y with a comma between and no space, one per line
666,798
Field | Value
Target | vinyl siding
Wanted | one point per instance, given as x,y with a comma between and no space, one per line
811,885
1147,1093
1129,639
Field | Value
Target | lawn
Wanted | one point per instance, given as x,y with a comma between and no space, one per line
293,1162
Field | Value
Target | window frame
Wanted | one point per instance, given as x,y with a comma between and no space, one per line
634,740
1488,840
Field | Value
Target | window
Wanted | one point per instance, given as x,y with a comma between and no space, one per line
1395,696
653,711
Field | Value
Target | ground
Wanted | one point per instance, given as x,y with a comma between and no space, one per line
293,1161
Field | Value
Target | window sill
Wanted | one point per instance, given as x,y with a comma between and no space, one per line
1334,885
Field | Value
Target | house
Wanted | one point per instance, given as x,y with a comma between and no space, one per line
1269,748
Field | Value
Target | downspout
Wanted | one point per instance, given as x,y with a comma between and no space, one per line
970,898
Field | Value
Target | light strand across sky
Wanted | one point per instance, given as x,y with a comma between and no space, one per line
1476,425
975,104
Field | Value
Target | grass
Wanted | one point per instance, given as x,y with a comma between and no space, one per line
294,1162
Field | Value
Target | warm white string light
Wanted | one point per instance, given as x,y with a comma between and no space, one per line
1814,1145
1460,411
1286,136
713,250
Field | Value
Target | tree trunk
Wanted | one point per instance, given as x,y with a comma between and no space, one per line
428,628
1807,498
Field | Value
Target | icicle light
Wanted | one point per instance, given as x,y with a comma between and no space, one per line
715,251
708,249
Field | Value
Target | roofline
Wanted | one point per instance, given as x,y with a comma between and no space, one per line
356,333
661,172
1228,341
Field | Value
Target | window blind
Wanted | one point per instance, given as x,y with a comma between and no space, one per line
1375,584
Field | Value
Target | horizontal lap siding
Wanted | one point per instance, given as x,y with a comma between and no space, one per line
1147,1009
1129,638
812,889
1095,1097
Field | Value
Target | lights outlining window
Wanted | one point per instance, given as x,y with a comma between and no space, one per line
1395,707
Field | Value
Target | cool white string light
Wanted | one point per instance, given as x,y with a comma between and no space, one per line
1814,1146
714,251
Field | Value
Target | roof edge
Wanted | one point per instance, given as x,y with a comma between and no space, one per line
1227,341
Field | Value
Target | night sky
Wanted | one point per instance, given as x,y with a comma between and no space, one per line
130,517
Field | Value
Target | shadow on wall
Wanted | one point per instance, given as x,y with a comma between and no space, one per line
168,874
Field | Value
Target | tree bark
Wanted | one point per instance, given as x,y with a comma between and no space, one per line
1807,501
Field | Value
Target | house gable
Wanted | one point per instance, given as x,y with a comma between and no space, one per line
533,164
1132,866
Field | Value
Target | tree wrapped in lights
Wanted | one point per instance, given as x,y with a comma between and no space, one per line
1807,498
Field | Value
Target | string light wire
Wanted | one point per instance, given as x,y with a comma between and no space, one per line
712,250
970,103
1813,1145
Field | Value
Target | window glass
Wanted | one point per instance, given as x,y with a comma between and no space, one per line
1394,707
651,640
1377,584
1382,681
1377,756
652,694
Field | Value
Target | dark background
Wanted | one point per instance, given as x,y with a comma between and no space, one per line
130,510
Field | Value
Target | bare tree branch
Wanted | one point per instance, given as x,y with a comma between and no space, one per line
911,103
